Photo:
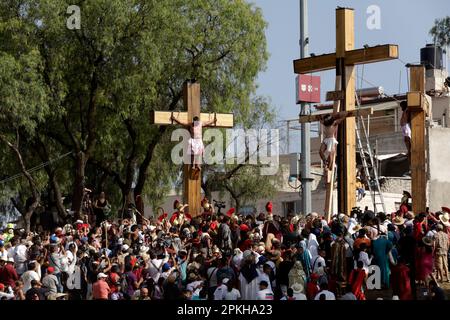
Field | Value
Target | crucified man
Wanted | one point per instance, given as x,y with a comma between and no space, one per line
196,147
330,128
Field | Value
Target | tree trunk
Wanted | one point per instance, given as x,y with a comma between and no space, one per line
62,213
78,184
142,177
53,181
234,196
143,168
35,193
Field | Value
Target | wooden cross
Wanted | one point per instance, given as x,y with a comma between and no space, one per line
191,98
344,60
419,107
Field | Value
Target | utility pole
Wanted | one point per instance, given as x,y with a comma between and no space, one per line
305,165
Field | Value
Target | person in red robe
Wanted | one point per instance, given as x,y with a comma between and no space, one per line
400,281
312,288
356,280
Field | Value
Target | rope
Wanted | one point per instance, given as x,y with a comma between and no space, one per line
38,167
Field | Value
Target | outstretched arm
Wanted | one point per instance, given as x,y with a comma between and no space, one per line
186,124
339,117
211,122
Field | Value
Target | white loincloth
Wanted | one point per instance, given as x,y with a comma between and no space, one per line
196,147
406,130
330,143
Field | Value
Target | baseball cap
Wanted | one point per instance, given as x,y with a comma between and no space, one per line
50,269
101,275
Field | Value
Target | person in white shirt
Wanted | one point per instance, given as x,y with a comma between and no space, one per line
20,257
29,275
313,245
232,293
324,294
297,290
364,257
71,257
264,274
3,252
221,291
264,292
319,261
348,294
5,295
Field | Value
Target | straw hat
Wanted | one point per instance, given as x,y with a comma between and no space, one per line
427,241
398,221
445,219
297,288
356,228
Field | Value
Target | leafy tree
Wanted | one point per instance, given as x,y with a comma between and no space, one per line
441,31
244,181
23,101
99,84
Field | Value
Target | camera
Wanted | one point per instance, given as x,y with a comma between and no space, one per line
219,204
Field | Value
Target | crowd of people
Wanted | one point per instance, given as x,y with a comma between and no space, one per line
228,256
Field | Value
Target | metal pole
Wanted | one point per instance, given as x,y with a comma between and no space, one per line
305,165
287,137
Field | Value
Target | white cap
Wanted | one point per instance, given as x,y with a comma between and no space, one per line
10,259
225,280
125,247
101,275
395,298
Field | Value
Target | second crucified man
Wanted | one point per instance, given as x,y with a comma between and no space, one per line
329,143
196,147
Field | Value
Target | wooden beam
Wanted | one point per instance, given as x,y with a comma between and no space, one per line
418,144
370,55
329,182
414,99
346,155
192,181
315,64
351,113
352,57
335,95
224,120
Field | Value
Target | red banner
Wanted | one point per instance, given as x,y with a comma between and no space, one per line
307,89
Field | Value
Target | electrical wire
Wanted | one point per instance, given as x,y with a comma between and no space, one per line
36,168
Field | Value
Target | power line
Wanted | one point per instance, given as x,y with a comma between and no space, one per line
36,168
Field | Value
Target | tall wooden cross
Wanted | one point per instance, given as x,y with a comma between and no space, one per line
419,108
191,98
344,60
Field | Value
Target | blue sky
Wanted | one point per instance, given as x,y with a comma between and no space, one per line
403,22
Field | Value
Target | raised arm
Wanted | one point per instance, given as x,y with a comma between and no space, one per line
186,124
339,117
211,122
